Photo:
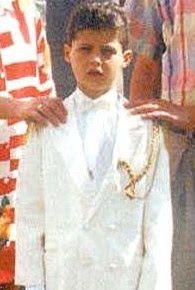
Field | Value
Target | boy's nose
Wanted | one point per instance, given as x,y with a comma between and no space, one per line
96,59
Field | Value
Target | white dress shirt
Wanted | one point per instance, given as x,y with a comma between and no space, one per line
97,123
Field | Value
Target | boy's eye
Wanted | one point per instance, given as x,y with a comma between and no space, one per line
85,48
108,51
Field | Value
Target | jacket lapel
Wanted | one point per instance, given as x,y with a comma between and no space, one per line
67,141
133,146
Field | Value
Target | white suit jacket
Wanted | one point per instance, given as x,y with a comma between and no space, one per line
93,240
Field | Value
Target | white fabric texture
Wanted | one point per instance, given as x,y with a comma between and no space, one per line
95,236
35,288
97,122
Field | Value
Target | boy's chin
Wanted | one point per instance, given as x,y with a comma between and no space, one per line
96,92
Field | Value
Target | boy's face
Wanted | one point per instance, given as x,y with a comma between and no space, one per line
97,59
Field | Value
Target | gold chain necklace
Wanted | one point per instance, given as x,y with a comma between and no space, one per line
135,177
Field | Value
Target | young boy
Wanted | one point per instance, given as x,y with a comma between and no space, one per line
93,211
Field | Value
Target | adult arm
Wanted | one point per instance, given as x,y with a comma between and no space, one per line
145,32
145,80
157,231
42,110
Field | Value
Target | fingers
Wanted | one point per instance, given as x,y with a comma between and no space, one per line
144,109
37,117
128,105
162,110
158,110
53,110
169,115
45,110
46,115
160,115
149,106
144,104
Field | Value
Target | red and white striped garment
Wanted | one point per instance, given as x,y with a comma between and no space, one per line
23,74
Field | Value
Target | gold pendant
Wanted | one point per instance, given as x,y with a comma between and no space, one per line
135,177
129,189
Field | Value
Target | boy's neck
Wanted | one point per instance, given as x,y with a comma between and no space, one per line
95,94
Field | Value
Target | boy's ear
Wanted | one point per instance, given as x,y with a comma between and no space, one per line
127,57
67,52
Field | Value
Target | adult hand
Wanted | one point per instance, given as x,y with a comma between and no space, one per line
41,111
178,116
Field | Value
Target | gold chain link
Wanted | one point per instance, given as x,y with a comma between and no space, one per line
135,177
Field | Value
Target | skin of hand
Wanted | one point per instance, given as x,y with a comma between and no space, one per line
182,117
40,110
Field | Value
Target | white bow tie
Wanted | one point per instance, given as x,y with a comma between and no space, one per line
87,105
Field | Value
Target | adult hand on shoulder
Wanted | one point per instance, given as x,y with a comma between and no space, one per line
162,110
41,111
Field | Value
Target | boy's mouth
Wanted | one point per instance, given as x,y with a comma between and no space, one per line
95,72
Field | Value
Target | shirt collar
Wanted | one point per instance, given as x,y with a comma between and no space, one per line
106,101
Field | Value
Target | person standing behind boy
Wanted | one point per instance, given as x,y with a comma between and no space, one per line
165,30
97,193
24,75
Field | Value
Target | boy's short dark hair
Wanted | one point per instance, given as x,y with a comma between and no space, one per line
95,16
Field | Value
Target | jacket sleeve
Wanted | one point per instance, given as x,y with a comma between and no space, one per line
30,217
157,229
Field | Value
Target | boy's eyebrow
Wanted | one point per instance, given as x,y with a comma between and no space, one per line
85,43
103,46
108,46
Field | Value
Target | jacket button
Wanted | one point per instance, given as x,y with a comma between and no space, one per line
113,266
112,227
